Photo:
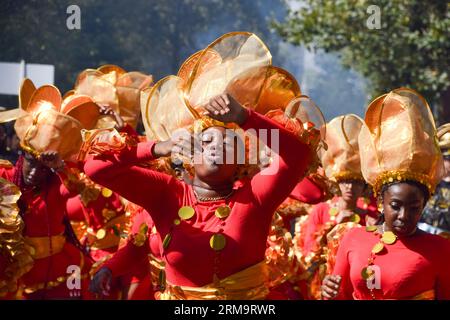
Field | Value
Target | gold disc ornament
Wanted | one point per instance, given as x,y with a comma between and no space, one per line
222,212
217,241
101,233
366,273
389,237
167,240
378,248
355,218
186,212
106,192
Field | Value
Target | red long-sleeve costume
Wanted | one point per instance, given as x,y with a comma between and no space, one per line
189,259
409,267
43,218
94,215
139,268
320,215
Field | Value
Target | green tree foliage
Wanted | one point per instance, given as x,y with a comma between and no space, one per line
412,47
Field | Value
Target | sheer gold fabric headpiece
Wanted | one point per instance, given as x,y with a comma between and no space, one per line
398,141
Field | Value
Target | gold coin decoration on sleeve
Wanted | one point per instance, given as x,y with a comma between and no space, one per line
186,212
217,241
378,248
101,233
176,222
222,212
106,192
389,237
333,211
371,228
166,241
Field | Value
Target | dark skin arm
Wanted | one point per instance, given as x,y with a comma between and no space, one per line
101,283
226,109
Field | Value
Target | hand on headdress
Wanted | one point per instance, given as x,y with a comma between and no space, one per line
226,109
180,146
108,111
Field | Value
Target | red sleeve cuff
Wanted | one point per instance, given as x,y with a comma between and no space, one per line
144,151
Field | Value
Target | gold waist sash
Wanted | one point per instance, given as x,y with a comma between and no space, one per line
248,284
426,295
46,246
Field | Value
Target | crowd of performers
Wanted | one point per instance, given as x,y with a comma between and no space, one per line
349,209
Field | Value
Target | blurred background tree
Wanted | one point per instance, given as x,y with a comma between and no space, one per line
152,36
411,49
324,44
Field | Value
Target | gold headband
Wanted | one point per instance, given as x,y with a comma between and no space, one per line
399,176
347,175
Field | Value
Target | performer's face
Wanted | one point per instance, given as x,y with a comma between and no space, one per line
34,172
403,204
219,156
351,190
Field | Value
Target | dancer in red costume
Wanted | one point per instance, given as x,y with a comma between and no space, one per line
60,267
341,162
251,204
386,261
214,231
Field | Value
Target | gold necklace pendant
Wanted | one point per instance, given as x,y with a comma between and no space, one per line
200,198
377,248
388,237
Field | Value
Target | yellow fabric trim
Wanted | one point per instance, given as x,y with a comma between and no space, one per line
42,245
248,284
426,295
53,284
